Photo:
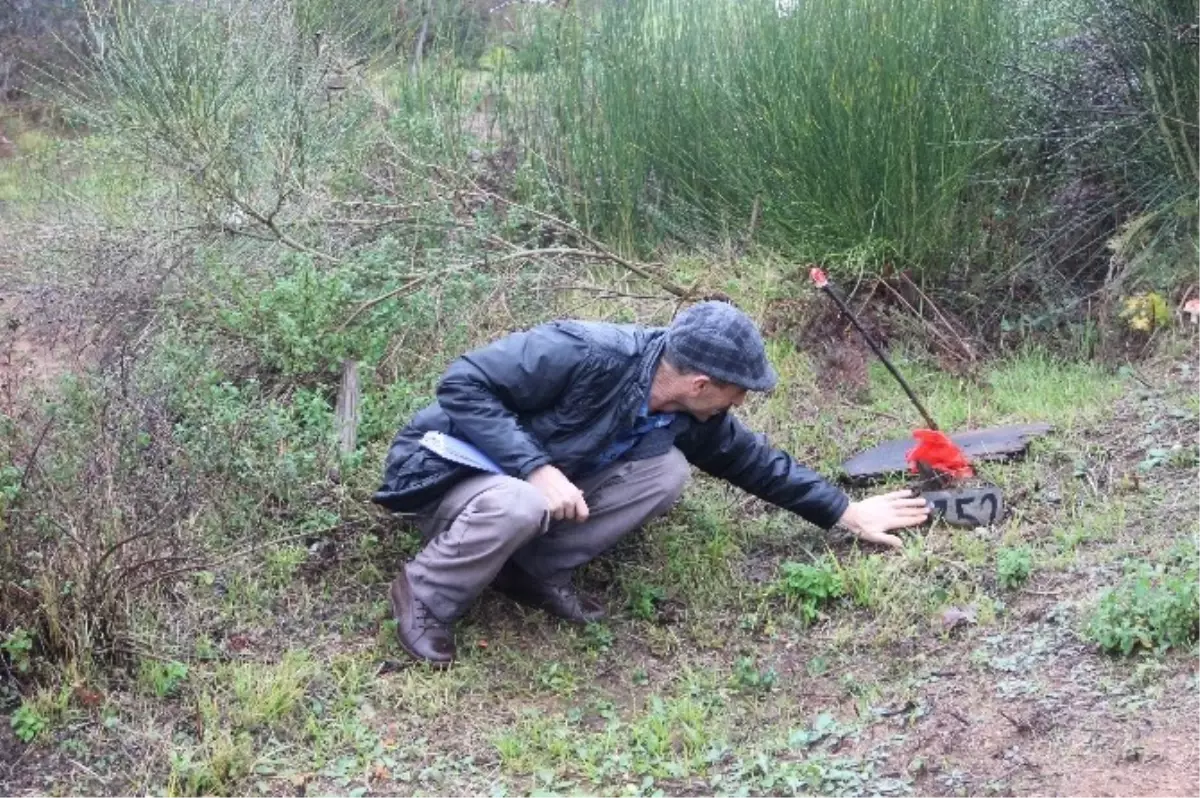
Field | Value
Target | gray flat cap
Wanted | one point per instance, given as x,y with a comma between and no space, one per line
717,339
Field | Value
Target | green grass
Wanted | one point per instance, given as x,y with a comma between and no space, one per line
1032,386
746,652
95,172
1028,387
848,129
739,696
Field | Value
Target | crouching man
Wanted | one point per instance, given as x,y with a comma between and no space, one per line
587,430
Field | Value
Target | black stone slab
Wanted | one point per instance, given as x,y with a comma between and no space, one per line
994,443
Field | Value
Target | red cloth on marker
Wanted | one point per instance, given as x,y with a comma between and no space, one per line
936,450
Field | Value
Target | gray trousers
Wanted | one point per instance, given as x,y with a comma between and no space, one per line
484,521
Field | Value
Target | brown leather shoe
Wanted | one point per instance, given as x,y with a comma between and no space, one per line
421,634
562,600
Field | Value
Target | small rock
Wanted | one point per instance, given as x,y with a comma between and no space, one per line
954,617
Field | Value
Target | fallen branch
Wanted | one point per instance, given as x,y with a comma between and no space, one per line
956,341
1020,726
966,347
599,254
607,292
524,254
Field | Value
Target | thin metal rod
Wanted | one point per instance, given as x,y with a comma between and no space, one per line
879,352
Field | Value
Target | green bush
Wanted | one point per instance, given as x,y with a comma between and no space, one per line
748,677
27,723
807,587
643,599
1013,566
1153,609
231,101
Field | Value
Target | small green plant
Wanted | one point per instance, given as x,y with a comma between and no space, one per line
10,484
283,563
643,599
1177,456
1146,311
747,677
597,637
267,694
1152,609
863,580
806,587
18,645
164,678
1013,566
556,677
27,723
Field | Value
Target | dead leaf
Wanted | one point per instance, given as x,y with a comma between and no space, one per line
88,697
238,642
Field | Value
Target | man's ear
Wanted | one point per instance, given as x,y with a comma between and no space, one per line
696,384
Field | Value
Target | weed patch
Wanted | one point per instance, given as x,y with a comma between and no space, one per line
807,588
1013,566
1153,609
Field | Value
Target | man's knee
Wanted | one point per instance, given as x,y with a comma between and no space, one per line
675,471
516,505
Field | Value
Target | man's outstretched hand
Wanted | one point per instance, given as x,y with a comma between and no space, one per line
563,499
871,519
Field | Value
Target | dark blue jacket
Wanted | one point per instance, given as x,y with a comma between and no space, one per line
560,393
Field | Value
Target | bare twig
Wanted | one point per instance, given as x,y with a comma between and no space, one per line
942,316
1033,592
280,236
606,292
208,566
382,206
598,254
642,270
87,770
872,411
1020,726
370,303
933,328
954,713
34,453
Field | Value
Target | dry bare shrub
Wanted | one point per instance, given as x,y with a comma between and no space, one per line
99,514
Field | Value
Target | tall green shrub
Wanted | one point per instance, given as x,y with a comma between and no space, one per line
230,100
842,124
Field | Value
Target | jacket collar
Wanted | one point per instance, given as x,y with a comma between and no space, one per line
639,388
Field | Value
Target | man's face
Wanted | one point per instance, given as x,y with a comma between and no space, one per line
705,398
